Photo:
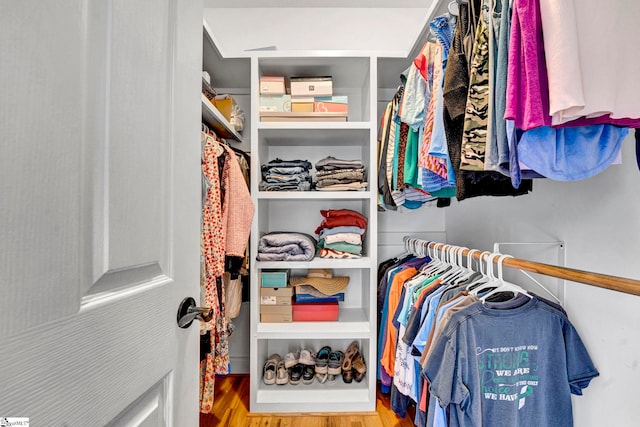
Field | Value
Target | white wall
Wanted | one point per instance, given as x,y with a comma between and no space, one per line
599,220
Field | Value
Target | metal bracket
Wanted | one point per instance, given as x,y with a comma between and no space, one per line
561,258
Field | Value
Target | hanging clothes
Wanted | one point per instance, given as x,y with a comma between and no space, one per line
212,269
474,137
581,149
436,338
227,212
456,84
592,73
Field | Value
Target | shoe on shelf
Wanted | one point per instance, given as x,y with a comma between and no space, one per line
322,378
295,373
347,365
270,368
322,359
282,375
359,368
308,374
307,358
335,363
290,359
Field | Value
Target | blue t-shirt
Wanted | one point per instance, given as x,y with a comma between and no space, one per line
514,367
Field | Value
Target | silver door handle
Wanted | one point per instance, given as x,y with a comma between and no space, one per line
188,311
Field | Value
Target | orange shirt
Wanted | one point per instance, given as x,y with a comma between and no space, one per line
388,357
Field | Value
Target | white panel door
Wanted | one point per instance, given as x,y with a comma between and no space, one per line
99,211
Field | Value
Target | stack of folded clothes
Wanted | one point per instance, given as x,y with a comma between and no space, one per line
286,175
286,246
339,175
341,233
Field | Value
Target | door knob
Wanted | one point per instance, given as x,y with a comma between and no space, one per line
188,311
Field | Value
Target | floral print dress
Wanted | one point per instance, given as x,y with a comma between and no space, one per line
212,256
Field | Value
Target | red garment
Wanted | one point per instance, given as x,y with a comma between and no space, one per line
340,221
423,397
332,213
341,217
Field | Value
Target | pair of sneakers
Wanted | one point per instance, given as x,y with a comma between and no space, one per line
328,364
300,367
274,371
304,357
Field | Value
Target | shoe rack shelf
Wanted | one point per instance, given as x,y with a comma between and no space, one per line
355,77
330,396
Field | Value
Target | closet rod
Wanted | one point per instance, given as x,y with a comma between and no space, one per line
614,283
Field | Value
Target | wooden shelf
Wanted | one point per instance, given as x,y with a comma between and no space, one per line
217,122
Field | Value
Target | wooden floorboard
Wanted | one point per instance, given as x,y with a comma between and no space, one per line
231,409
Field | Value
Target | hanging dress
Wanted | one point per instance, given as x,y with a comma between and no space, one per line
212,255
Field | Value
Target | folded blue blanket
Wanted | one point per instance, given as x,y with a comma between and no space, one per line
286,246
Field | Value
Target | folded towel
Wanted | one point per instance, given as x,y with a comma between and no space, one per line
286,246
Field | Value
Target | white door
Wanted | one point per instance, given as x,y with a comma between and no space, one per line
99,210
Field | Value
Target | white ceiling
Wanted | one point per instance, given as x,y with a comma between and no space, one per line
386,28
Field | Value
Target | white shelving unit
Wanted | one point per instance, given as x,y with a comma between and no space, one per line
356,77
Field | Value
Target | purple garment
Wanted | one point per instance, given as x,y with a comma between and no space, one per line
527,79
527,83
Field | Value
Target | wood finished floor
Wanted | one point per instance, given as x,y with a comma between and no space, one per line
231,405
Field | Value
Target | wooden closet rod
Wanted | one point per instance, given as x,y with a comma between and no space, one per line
614,283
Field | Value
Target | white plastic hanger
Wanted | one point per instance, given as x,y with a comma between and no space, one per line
504,286
435,263
484,278
459,272
485,282
455,269
467,271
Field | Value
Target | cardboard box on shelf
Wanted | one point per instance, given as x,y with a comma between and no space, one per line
276,318
275,313
272,85
331,104
224,104
275,296
312,86
302,117
275,103
274,278
301,107
315,312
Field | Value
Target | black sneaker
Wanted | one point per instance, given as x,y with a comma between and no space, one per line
308,374
295,373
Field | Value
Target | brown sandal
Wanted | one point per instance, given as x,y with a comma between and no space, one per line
347,366
359,367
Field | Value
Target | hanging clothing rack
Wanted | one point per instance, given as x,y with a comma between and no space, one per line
614,283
